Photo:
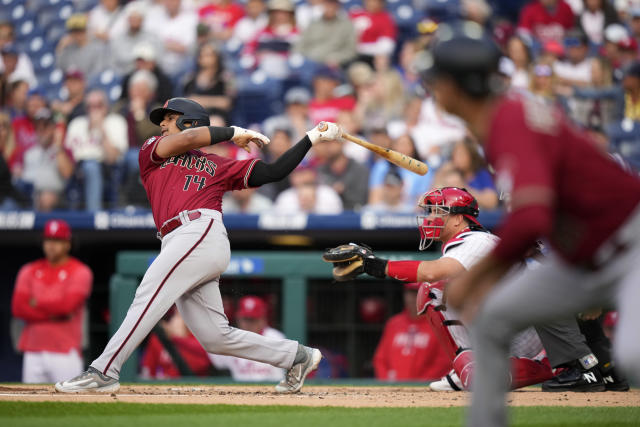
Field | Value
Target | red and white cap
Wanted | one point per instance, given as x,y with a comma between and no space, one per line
57,229
251,307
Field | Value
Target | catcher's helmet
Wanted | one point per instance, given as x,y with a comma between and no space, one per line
440,202
190,112
466,54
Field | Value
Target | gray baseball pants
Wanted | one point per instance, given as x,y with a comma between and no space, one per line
187,272
554,290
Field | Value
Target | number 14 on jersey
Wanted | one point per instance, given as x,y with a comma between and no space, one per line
195,180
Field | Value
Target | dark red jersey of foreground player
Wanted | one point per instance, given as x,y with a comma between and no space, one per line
193,180
562,187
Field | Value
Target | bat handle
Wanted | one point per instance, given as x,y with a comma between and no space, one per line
322,126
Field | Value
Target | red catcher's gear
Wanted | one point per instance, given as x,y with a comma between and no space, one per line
440,202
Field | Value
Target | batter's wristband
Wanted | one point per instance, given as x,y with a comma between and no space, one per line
407,271
220,134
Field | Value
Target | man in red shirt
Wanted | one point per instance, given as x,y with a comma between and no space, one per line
547,19
325,106
50,296
564,190
185,188
221,16
409,349
376,30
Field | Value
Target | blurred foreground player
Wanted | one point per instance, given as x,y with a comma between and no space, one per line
185,188
563,190
50,296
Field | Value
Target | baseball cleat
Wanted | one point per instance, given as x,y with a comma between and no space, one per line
293,380
90,380
449,382
575,379
614,382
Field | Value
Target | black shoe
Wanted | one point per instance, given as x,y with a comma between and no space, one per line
576,379
614,382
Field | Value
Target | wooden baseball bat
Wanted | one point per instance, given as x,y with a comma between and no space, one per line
394,157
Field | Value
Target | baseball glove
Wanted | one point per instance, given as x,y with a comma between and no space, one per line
348,260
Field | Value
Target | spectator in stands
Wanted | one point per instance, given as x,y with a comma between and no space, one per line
50,296
252,23
208,85
251,316
221,16
175,27
330,40
520,54
135,108
467,160
14,96
326,104
295,117
47,164
246,201
24,130
132,34
616,39
101,19
271,47
347,177
145,55
576,69
376,30
172,340
307,196
78,51
393,199
595,17
10,197
98,141
634,23
408,348
546,19
414,184
73,105
411,79
14,64
307,12
542,82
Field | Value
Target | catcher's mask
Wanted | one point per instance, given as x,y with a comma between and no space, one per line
191,113
437,205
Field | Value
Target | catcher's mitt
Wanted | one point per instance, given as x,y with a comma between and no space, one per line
348,260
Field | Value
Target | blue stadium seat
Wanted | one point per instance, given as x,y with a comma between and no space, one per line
109,81
17,10
27,28
258,98
85,5
302,68
37,46
55,31
44,63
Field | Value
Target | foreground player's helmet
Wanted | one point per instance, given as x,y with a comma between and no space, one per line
191,113
464,52
441,202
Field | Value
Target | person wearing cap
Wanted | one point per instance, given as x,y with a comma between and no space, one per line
77,50
24,129
393,198
145,58
50,296
409,349
576,68
47,164
270,48
251,315
73,106
98,141
296,113
330,40
326,103
129,31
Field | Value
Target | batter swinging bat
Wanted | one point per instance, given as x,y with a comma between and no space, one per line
394,157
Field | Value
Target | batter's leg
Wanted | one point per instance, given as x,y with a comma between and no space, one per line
202,311
626,345
521,299
189,256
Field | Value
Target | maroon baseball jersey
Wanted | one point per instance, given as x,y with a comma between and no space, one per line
193,180
561,185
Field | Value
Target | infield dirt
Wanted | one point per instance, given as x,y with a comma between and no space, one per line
344,396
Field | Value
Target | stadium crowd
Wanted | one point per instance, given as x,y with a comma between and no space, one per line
79,78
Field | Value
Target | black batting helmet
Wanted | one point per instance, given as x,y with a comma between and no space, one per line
466,54
190,112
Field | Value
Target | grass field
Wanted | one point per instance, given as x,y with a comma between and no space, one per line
66,414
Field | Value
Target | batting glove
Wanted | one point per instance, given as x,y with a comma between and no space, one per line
324,131
242,137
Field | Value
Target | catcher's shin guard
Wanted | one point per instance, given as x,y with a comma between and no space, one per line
463,365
